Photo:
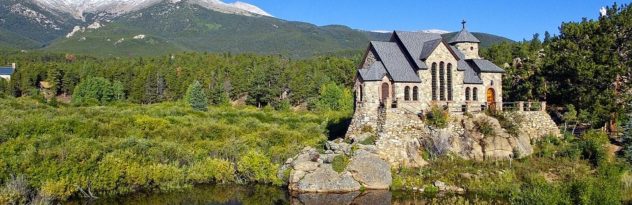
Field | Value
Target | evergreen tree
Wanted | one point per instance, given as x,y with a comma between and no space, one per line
93,91
196,98
627,138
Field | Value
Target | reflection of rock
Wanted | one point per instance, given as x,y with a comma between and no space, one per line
373,197
324,199
371,171
376,197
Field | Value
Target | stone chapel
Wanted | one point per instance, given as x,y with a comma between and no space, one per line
415,70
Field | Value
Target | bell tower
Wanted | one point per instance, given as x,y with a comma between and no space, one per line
467,43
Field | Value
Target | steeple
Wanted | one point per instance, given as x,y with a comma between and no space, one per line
464,36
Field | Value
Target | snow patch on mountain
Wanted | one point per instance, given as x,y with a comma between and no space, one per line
437,31
78,8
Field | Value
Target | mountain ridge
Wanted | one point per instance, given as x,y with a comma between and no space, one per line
172,26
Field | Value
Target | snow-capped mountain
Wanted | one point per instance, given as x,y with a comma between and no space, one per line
79,8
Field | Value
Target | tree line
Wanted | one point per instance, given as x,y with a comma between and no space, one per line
251,79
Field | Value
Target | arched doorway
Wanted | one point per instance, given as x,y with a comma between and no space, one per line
385,91
491,98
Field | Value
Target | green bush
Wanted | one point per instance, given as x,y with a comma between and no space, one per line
437,117
211,170
593,145
484,126
196,97
340,162
256,167
335,98
370,140
95,90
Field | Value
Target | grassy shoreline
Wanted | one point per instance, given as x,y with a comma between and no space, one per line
59,153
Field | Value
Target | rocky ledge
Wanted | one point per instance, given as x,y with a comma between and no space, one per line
312,171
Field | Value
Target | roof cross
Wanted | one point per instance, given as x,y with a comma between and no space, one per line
463,22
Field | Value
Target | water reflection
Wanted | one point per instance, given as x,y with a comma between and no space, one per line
269,195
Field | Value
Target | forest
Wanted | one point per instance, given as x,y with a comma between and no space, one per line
77,126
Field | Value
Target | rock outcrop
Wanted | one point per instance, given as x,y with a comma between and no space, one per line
312,172
404,138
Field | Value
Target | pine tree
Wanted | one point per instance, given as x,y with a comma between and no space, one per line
627,139
196,97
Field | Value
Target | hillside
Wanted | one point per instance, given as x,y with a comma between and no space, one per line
167,27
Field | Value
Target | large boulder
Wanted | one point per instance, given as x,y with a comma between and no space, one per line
325,179
371,171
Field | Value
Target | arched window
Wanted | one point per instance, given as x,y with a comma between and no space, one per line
361,93
442,81
475,94
407,93
415,93
434,81
467,94
450,81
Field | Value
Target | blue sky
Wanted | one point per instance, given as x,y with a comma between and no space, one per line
510,18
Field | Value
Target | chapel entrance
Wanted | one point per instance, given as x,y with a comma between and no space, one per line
491,98
385,91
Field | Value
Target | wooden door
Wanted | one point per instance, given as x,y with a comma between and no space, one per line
491,98
385,91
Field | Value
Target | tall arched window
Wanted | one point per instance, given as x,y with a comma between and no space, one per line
361,93
475,94
407,93
450,81
434,81
467,94
442,81
415,93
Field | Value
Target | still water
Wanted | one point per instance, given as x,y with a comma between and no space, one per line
269,195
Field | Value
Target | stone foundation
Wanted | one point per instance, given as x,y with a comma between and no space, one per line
403,137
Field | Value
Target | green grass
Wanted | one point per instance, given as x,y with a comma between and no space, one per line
557,177
340,162
123,148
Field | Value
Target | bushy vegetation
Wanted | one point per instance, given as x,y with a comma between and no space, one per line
561,171
484,126
97,90
124,148
196,97
340,162
437,117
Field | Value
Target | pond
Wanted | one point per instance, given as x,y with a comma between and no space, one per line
269,195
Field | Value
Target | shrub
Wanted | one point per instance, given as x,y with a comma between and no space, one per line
57,189
92,90
369,140
437,117
256,167
485,127
196,97
367,129
211,170
335,98
593,145
340,162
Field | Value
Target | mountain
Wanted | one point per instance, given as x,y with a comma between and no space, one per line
155,27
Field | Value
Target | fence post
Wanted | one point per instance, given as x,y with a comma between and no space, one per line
543,106
520,106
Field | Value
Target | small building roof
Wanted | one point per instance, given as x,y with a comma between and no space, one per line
486,66
464,36
374,73
6,70
470,76
395,62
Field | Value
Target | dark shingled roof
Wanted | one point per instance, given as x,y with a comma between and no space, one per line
414,42
374,73
486,66
429,46
470,75
395,62
464,36
6,70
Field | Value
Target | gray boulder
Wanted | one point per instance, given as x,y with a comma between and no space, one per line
371,171
325,179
